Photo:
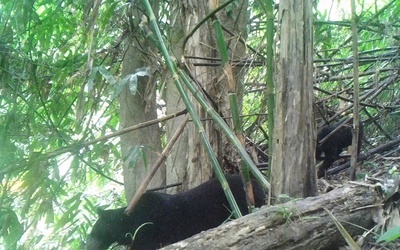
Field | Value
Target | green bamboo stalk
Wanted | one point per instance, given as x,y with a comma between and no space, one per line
237,123
218,171
196,120
223,51
237,140
234,105
207,107
225,128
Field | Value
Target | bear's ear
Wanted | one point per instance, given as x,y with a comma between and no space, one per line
101,212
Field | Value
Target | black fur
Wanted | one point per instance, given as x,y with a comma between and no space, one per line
170,218
334,145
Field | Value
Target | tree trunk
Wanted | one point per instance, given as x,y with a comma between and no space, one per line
301,224
140,148
188,161
293,161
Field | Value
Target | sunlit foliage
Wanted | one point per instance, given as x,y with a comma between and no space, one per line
50,105
59,65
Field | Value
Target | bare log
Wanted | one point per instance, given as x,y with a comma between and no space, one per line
298,224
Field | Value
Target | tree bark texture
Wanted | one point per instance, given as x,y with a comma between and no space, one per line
188,161
136,108
297,224
293,161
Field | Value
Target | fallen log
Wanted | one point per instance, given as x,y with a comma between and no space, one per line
297,224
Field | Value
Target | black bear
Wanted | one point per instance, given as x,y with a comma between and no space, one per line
334,145
161,219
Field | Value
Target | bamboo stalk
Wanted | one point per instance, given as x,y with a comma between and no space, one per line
156,37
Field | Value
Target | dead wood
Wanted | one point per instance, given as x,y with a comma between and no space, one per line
301,224
380,149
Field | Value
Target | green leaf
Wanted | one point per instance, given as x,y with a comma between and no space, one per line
390,235
11,228
107,75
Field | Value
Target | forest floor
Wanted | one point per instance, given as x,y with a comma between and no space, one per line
380,167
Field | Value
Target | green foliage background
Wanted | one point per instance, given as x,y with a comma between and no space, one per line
50,104
60,63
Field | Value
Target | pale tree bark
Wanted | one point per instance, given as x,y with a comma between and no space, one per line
293,161
136,108
188,161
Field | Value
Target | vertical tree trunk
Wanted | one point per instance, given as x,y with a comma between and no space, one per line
135,109
188,160
293,162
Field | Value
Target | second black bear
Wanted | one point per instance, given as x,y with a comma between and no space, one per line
162,219
334,145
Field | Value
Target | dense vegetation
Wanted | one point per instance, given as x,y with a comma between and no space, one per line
60,64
